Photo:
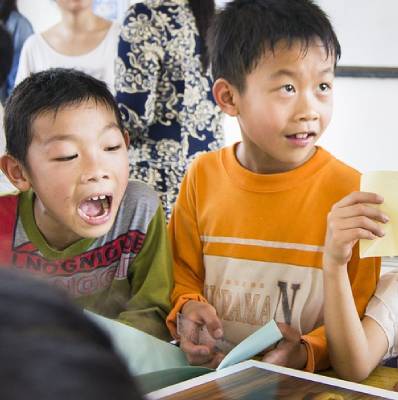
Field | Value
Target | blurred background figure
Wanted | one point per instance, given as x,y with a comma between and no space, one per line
81,40
164,91
51,350
20,29
6,57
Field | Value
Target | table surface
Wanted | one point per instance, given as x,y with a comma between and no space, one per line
252,380
381,377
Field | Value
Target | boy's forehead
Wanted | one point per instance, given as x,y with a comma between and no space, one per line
71,119
297,52
297,48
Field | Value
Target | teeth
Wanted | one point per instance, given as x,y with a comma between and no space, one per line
101,197
301,135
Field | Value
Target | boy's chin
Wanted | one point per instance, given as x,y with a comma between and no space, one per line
303,156
95,231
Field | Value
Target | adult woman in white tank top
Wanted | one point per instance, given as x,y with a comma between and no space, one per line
81,40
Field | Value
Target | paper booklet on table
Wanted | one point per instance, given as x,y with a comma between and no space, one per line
159,364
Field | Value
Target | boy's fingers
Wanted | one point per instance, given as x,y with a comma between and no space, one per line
288,332
352,235
358,210
201,355
196,354
363,223
359,197
213,325
205,314
194,349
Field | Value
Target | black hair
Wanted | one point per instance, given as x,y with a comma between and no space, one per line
6,7
6,53
245,29
47,91
51,350
203,11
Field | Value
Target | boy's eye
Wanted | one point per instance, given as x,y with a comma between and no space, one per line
67,158
113,148
325,87
289,88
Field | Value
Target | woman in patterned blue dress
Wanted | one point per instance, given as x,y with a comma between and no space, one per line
163,86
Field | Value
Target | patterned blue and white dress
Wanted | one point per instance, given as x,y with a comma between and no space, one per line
163,95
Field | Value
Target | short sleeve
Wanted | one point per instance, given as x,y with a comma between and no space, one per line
383,308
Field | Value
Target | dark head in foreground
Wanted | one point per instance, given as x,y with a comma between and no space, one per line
51,350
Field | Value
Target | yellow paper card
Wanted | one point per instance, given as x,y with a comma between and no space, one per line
384,183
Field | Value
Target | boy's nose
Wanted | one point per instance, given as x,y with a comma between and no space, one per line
310,115
93,171
306,110
94,176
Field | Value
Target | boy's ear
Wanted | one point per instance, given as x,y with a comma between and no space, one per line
15,172
126,137
226,95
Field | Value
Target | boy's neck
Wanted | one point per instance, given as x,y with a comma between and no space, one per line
253,159
55,238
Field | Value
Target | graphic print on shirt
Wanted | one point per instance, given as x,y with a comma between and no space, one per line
283,300
247,294
87,267
83,274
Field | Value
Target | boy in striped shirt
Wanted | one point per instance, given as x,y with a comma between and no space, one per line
77,220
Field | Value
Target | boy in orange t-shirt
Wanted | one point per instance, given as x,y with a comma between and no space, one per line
249,224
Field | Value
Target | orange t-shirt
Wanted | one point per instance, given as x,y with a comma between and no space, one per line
251,245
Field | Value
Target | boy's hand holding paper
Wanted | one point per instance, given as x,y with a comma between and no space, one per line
353,218
221,349
385,184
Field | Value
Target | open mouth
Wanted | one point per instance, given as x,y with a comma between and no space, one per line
95,209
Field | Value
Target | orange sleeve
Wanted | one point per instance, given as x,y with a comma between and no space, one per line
364,275
187,250
317,353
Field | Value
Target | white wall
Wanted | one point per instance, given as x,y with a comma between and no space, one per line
367,30
363,131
